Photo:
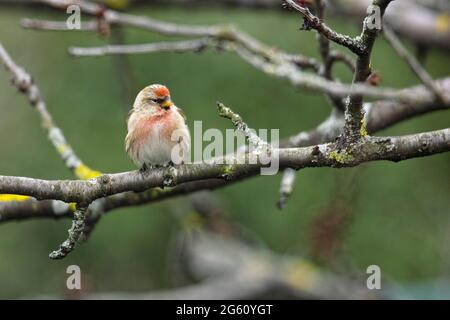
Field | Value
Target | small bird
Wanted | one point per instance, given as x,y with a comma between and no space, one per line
157,131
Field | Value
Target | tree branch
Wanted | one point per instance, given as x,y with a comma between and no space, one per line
173,46
119,189
24,83
354,114
412,62
327,58
261,56
46,25
370,149
75,232
313,22
379,115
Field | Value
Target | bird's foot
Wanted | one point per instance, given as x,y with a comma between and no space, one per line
148,167
169,176
143,169
168,164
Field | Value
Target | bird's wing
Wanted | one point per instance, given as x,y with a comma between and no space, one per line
129,115
182,114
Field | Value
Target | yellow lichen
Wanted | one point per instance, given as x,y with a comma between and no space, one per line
341,157
443,22
302,274
363,130
72,206
228,170
85,173
62,148
13,197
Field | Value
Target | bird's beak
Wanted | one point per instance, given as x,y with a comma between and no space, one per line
167,104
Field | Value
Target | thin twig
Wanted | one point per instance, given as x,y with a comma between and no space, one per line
324,50
172,46
258,54
47,25
319,84
412,62
75,232
240,125
315,23
286,187
24,82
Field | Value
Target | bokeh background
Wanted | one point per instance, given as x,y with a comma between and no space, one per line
392,215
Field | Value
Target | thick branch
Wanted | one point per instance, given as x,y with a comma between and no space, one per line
354,113
378,115
371,149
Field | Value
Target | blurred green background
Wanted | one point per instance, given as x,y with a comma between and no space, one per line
397,215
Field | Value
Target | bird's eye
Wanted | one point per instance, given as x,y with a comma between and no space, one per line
158,101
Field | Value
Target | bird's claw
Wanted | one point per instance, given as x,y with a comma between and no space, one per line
143,169
169,176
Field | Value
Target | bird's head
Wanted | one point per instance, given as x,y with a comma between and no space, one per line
154,96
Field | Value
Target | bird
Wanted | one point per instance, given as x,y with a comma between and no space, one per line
158,134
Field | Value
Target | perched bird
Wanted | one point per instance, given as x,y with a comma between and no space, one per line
157,131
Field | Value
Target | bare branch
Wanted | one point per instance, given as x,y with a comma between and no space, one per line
339,56
316,83
409,19
173,46
379,115
240,125
423,25
228,33
75,232
314,22
23,81
354,113
412,62
383,114
119,189
327,59
46,25
256,53
370,149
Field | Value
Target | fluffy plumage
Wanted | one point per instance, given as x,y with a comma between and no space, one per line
157,130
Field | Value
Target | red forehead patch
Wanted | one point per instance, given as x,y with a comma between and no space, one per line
162,91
